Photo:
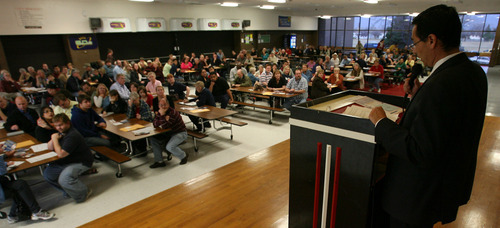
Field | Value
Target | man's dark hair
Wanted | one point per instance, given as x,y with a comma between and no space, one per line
58,98
83,97
85,83
113,93
61,117
442,21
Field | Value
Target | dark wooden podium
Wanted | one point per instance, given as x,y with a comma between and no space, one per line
362,164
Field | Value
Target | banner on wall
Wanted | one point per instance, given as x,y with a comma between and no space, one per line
83,42
115,25
183,24
209,24
284,21
231,24
151,24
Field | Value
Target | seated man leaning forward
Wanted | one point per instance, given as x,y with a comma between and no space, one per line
220,90
205,97
89,123
296,85
168,117
62,104
22,118
74,159
175,88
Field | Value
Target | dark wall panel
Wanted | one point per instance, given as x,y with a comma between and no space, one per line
24,51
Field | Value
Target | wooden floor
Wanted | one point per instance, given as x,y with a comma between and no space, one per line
253,192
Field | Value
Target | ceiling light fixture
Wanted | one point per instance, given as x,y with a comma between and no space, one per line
471,13
413,14
276,1
267,7
142,0
366,15
229,4
325,17
370,1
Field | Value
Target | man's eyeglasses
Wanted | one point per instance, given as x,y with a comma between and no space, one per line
415,44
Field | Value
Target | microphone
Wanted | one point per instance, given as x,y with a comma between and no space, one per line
416,70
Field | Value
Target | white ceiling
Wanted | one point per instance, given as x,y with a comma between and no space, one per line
354,7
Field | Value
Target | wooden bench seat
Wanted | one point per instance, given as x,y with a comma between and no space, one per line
234,122
195,135
113,156
259,96
259,106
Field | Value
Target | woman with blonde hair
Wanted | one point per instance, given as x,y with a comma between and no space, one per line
357,74
100,96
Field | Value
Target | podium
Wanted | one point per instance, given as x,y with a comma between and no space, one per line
361,166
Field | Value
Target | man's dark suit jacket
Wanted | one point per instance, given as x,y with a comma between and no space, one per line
433,151
17,118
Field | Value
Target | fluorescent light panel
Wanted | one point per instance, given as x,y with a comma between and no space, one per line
229,4
371,1
268,7
276,1
142,0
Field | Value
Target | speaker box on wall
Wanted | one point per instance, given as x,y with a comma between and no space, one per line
95,23
246,23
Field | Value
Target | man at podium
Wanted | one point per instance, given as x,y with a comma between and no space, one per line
433,150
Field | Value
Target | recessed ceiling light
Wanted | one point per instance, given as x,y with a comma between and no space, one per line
276,1
268,7
471,13
142,0
366,15
229,4
325,17
370,1
413,14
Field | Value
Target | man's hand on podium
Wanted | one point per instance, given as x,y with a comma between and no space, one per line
377,114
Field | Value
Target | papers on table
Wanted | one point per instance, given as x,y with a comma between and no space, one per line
15,165
200,110
25,143
115,123
41,157
39,147
188,103
188,108
267,93
143,131
368,104
131,128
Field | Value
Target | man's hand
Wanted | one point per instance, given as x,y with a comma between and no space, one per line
377,114
9,153
230,101
413,90
14,127
138,116
101,125
105,137
167,118
55,136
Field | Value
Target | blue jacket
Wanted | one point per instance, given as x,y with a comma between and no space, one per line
85,122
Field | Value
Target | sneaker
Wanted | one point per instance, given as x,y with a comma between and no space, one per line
379,90
184,160
43,215
12,219
157,164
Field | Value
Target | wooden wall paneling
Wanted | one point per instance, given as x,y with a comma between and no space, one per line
3,59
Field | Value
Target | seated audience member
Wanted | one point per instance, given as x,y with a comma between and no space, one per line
335,61
328,63
264,55
153,83
86,89
167,67
74,159
400,68
120,87
296,85
249,61
277,83
361,61
145,96
137,108
41,79
242,79
9,86
49,96
26,78
377,69
203,77
318,86
21,195
220,90
186,64
160,94
134,87
357,74
22,118
251,75
319,64
306,73
45,127
205,97
100,97
118,69
62,104
168,117
266,75
177,89
6,107
345,61
73,85
116,103
135,74
311,63
272,57
336,79
287,73
89,123
232,73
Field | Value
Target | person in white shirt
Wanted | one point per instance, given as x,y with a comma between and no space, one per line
119,86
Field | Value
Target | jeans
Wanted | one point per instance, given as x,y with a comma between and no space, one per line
223,99
172,146
294,100
21,193
376,83
65,178
97,141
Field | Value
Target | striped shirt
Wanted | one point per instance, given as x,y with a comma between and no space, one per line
175,122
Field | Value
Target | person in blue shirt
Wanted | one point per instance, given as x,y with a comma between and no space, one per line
89,123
